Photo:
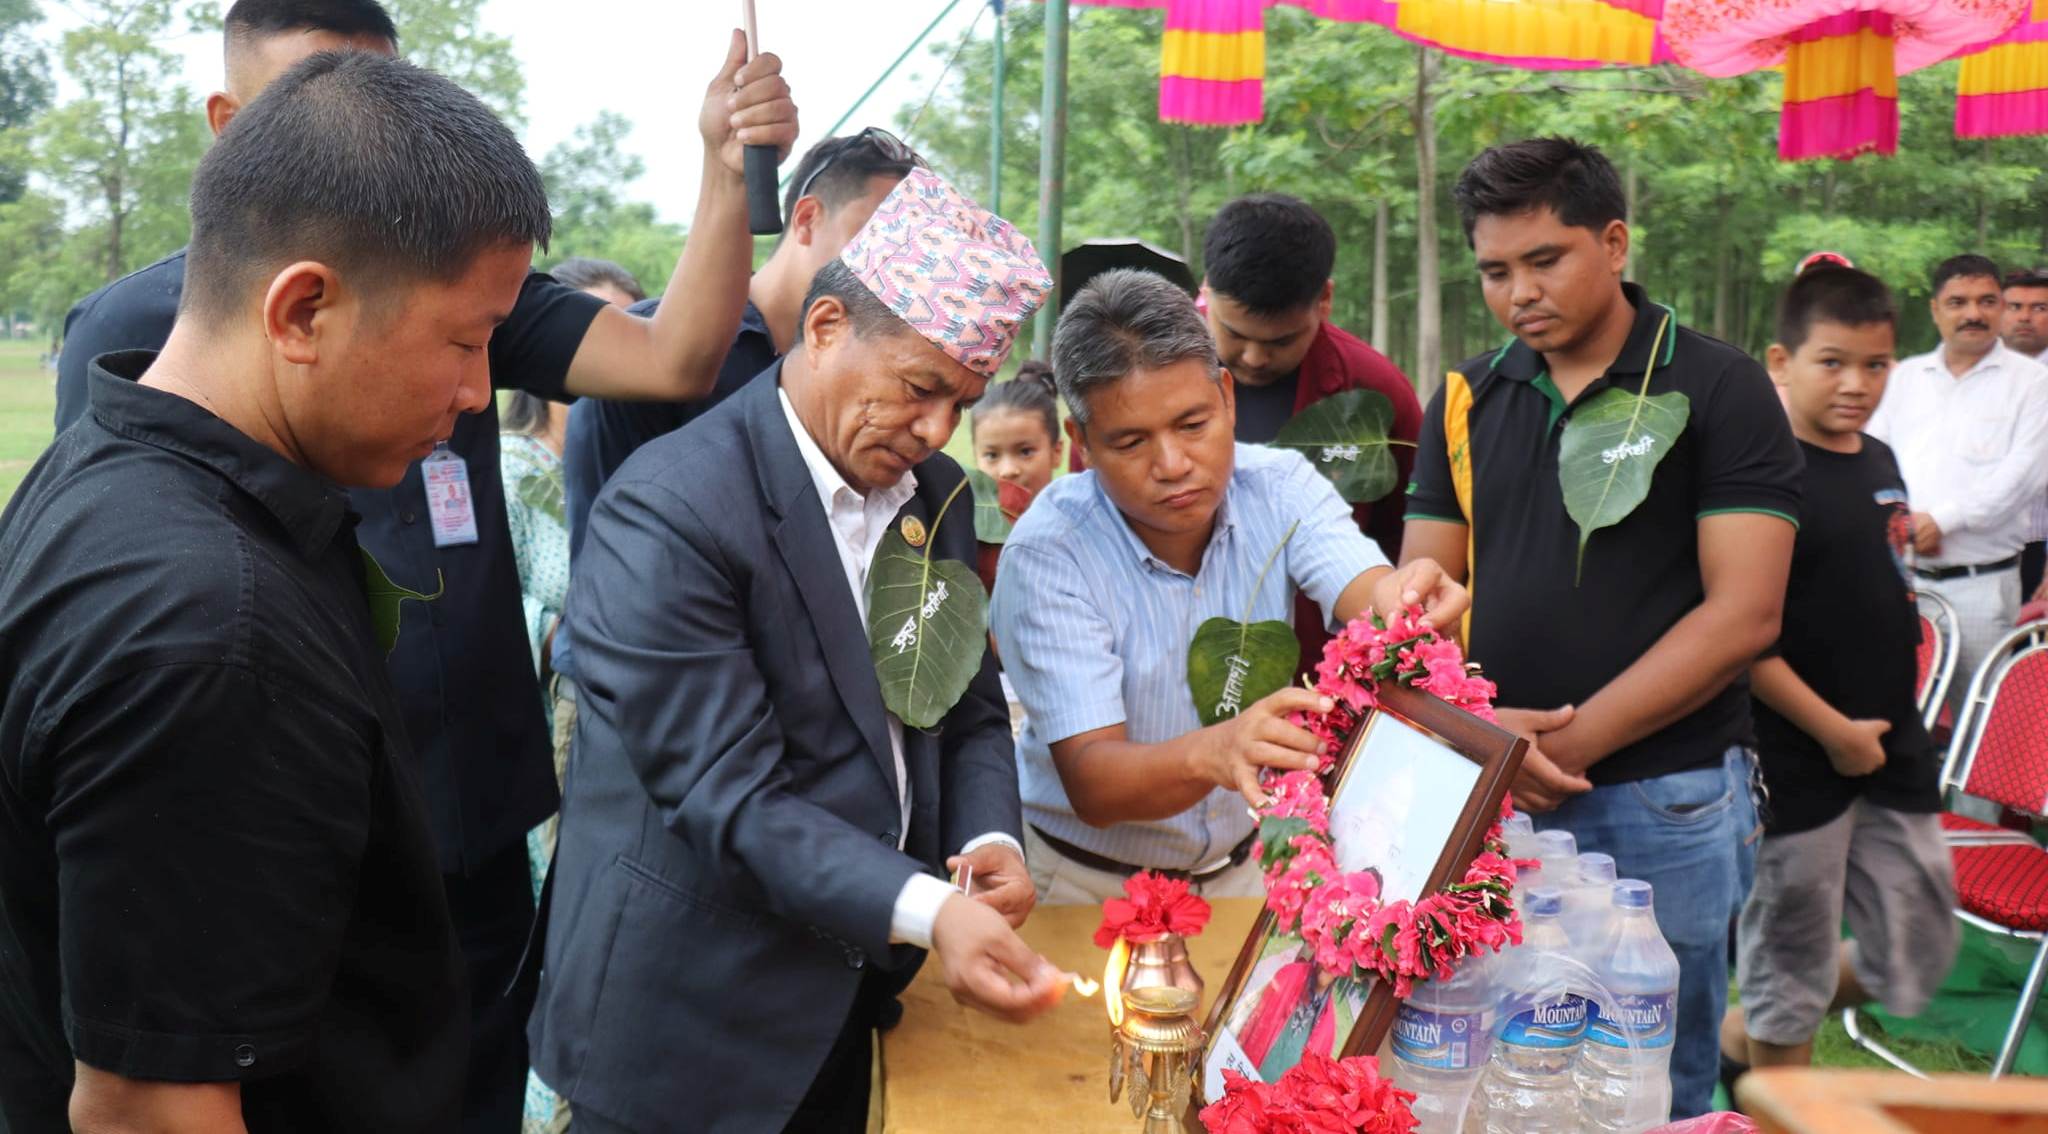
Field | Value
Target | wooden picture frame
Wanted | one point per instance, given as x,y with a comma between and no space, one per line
1497,755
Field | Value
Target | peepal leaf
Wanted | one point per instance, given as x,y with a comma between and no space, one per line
543,492
1347,437
997,504
1611,447
1232,664
385,597
927,628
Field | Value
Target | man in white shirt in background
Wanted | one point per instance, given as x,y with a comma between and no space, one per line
2025,331
1969,423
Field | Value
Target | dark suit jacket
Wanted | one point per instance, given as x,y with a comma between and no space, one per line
728,865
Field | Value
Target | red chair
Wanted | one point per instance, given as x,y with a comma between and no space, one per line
1999,753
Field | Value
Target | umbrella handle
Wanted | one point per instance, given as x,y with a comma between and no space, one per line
764,212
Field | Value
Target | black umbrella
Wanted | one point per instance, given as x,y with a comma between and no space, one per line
1094,257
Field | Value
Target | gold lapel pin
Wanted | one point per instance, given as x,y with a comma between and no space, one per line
913,531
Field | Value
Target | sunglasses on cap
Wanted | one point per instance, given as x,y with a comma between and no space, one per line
1835,258
891,149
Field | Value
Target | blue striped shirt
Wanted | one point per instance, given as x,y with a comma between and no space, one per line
1094,631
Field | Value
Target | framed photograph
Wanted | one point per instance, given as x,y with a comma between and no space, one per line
1411,798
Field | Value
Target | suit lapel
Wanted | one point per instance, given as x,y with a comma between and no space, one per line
809,550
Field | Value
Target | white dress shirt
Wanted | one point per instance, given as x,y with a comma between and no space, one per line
1973,448
2037,516
858,524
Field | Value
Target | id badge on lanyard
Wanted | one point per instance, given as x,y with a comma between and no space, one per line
449,502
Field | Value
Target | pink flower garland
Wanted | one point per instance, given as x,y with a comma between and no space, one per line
1339,916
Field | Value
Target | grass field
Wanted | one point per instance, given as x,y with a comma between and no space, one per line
28,398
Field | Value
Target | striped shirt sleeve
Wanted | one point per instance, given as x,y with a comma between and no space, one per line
1057,645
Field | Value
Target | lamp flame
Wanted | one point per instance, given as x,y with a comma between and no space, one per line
1113,981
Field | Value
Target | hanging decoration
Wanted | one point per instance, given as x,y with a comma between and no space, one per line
2003,88
1841,58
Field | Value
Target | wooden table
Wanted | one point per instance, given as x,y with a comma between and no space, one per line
947,1069
1805,1101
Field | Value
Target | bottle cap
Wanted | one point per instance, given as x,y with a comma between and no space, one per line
1556,844
1596,867
1632,894
1546,902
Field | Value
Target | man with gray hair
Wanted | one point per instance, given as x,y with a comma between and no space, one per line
1107,576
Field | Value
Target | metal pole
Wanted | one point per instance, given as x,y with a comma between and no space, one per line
882,78
995,130
1052,165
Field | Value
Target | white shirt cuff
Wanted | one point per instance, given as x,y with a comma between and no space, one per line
917,904
979,841
917,907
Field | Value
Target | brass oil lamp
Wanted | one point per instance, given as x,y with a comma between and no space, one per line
1152,994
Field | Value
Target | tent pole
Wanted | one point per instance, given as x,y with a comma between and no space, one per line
1052,166
995,129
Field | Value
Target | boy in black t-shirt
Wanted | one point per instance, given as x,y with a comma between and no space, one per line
1850,770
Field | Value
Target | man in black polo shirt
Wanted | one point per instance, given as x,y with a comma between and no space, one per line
471,700
1622,658
836,187
223,910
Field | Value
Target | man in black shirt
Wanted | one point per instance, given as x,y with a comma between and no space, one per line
835,189
1850,770
467,689
223,907
1619,638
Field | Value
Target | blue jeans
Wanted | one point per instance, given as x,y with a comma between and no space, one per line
1687,835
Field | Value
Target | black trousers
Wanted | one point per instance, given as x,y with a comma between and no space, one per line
492,908
2033,558
837,1102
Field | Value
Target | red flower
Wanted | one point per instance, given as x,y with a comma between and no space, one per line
1319,1096
1154,907
1241,1110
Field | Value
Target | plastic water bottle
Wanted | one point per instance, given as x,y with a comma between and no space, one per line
1624,1092
1528,1084
1558,851
1556,854
1589,906
1519,832
1442,1035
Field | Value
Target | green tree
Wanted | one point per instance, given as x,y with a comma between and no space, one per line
24,84
587,177
122,154
450,36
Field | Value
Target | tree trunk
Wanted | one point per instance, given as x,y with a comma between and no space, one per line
1722,272
1184,177
1629,189
1429,316
1984,207
1379,276
117,181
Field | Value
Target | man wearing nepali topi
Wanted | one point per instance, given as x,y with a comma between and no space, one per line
750,841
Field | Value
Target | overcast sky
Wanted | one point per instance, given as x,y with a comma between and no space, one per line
651,60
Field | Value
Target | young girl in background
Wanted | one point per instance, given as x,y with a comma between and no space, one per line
1016,433
1016,429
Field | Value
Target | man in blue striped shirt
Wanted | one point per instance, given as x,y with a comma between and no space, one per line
1105,579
